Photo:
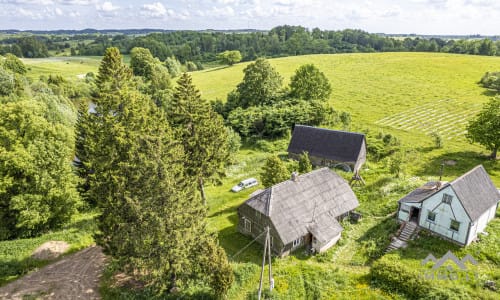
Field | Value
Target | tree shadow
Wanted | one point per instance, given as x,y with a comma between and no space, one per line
11,270
375,240
237,246
490,93
456,164
216,69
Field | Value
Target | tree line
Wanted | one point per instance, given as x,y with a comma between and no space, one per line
202,46
140,157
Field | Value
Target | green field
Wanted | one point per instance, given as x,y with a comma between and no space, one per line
406,94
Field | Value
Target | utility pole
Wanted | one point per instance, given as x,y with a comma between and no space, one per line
267,248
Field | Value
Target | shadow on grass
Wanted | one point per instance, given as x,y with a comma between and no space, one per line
376,239
217,69
490,93
11,270
426,244
234,244
463,162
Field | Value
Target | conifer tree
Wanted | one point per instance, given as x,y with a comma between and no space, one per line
201,131
274,171
152,219
305,165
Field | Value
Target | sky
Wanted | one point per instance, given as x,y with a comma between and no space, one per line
377,16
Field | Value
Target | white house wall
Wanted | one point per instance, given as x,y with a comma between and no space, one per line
404,216
321,248
444,214
481,223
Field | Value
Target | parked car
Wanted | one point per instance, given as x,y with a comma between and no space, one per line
244,184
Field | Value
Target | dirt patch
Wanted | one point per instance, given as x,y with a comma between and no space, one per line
75,276
50,250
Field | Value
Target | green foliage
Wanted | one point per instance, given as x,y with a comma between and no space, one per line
491,80
173,66
233,143
229,57
113,74
14,64
277,120
260,86
309,83
37,185
201,132
485,128
396,163
305,165
437,139
274,171
7,82
191,66
345,119
381,145
142,62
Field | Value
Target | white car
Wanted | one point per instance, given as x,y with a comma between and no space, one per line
244,184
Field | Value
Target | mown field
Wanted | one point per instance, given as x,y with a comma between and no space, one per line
407,95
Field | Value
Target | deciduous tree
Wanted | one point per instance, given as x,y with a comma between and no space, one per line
309,83
485,127
229,57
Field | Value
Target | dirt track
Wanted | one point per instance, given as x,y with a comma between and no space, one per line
75,276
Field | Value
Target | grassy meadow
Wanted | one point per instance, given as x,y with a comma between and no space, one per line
407,95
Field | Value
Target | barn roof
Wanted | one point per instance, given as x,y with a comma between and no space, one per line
474,189
330,144
310,203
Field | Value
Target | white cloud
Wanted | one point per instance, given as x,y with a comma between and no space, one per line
155,10
106,7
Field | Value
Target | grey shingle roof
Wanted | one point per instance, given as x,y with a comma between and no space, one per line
325,227
312,200
476,191
331,144
421,193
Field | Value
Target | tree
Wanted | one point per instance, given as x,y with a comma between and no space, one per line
14,64
7,82
201,131
173,66
260,86
37,184
229,57
113,74
142,62
310,83
485,127
152,220
491,80
274,171
305,165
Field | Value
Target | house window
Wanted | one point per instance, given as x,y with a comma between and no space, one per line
454,225
431,216
405,208
248,225
297,242
257,214
447,198
272,241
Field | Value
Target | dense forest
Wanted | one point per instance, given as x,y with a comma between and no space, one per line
203,46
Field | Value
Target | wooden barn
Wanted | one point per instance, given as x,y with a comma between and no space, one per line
457,211
328,147
302,211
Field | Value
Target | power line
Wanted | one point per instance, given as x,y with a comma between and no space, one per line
248,245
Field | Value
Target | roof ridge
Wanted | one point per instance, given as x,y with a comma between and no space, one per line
467,173
328,129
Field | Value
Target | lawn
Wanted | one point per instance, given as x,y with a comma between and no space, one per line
407,95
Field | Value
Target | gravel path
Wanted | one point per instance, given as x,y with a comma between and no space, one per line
75,276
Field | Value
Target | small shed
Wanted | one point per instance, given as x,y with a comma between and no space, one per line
303,211
456,211
328,147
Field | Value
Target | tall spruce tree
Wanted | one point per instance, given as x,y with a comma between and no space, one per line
152,219
305,165
201,131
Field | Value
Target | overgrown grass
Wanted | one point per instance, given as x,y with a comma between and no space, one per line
15,255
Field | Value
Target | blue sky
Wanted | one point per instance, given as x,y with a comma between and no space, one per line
389,16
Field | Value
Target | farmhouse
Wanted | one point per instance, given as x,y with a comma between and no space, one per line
328,147
457,211
302,211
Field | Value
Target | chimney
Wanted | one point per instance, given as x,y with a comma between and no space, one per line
438,185
295,176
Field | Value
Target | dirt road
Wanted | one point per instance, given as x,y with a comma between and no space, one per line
75,276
